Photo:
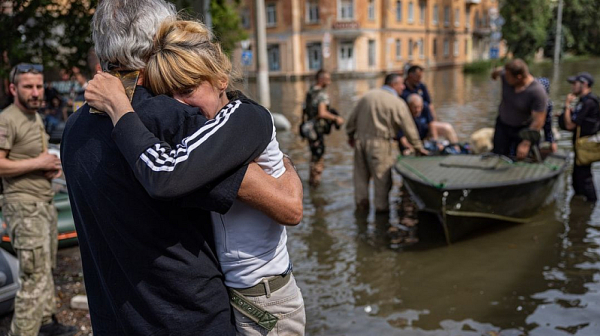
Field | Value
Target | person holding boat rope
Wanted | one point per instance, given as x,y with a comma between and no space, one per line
523,106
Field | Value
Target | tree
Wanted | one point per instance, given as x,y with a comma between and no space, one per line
526,27
52,32
227,26
226,23
581,26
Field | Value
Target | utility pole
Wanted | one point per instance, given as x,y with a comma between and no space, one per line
558,39
262,72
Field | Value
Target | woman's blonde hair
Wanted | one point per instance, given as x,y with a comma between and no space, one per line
185,56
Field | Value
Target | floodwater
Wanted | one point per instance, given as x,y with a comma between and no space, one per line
539,278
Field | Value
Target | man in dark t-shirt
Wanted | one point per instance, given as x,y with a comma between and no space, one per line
585,117
523,105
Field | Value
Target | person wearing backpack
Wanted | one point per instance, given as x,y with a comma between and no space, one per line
317,119
582,120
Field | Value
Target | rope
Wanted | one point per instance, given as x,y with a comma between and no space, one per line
487,215
418,173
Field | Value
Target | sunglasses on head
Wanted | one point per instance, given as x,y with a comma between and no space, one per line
26,67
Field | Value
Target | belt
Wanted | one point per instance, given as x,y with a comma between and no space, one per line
266,287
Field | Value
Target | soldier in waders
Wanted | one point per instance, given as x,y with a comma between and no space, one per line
317,109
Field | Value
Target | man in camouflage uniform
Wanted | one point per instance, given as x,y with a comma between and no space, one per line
27,169
317,107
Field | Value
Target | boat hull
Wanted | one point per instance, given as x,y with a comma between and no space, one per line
463,210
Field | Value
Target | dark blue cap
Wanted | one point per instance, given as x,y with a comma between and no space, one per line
583,77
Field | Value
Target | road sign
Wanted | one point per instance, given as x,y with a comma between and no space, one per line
245,44
246,58
494,53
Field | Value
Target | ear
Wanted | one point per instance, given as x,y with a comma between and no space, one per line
13,89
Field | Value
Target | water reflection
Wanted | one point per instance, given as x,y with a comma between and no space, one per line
539,278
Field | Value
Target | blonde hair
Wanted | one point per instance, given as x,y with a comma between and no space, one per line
183,57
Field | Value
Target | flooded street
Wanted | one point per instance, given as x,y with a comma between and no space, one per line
539,278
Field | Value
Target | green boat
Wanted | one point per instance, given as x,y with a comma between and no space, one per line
67,236
468,192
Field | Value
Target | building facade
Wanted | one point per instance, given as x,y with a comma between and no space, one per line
370,36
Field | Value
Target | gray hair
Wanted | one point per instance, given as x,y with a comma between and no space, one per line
414,98
123,30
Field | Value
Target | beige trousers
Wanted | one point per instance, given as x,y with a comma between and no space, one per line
373,158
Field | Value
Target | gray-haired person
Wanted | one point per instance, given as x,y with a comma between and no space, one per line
148,259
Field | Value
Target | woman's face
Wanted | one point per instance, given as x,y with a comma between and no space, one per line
204,96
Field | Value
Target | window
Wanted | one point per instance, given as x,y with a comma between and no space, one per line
446,48
371,53
411,13
271,14
399,11
466,47
422,10
434,47
246,18
477,21
468,17
455,48
446,16
410,48
456,17
312,11
346,9
371,10
398,49
273,57
421,49
435,15
313,52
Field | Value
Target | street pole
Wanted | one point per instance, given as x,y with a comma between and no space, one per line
558,39
262,72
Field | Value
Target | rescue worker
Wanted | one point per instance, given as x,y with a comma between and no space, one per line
317,108
523,105
585,117
371,128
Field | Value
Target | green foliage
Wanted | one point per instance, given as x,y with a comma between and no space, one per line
479,66
581,26
46,31
526,27
227,25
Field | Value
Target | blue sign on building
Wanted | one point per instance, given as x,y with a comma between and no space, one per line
494,53
246,58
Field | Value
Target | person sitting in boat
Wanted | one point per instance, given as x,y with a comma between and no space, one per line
523,106
413,84
428,129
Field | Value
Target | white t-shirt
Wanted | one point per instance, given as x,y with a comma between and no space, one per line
250,245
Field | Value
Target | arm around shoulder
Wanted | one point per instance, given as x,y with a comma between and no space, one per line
279,198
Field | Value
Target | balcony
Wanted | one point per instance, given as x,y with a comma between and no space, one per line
346,29
472,2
